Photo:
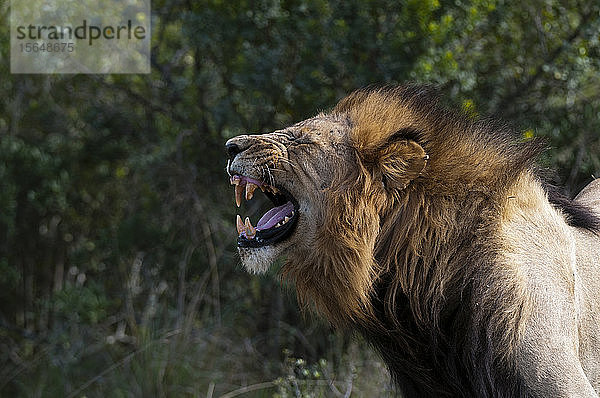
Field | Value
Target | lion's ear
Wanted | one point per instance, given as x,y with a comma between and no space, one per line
400,162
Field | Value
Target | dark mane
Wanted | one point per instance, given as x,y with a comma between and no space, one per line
577,214
438,326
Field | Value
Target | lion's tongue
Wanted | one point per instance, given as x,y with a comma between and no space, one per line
275,215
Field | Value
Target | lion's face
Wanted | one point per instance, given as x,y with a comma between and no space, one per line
293,167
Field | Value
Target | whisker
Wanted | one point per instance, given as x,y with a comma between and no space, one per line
288,162
267,174
271,178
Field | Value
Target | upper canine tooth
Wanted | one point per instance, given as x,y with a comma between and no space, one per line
239,194
240,225
250,187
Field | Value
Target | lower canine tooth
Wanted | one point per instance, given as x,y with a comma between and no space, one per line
250,230
241,228
286,220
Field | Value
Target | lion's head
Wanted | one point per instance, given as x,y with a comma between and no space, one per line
337,181
293,167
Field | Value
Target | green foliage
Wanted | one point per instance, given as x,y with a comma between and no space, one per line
117,267
357,374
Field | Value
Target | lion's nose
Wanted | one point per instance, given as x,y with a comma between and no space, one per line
236,145
232,149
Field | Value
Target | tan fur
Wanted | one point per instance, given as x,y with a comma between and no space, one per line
415,221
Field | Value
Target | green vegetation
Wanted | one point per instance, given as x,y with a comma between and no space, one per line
118,273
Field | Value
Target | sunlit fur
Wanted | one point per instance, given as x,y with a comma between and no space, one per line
417,240
427,245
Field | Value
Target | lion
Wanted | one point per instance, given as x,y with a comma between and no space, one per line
431,233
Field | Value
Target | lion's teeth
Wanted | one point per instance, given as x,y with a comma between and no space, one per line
286,219
278,225
250,230
239,194
241,228
235,180
250,187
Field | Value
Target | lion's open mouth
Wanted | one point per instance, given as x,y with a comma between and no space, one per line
276,224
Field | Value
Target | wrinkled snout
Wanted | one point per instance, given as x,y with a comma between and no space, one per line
237,145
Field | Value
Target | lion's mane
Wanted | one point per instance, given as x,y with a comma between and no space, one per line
417,270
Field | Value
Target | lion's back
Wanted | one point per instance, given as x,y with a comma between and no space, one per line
588,268
590,196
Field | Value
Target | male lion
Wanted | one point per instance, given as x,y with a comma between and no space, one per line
430,233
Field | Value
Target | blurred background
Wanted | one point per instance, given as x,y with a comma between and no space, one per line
118,271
